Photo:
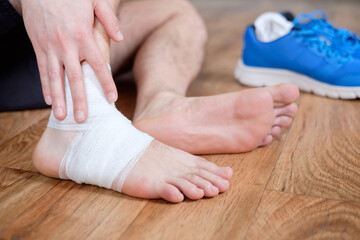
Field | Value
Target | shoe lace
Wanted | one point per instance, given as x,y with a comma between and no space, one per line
310,38
308,26
349,38
319,22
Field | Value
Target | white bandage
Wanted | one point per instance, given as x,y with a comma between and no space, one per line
106,145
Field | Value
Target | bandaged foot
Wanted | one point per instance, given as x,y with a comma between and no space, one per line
107,151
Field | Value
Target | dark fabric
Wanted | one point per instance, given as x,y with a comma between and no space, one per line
20,86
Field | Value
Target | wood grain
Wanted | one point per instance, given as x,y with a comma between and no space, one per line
20,195
17,152
323,158
290,216
13,123
306,184
223,217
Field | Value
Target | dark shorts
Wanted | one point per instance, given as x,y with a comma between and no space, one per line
20,86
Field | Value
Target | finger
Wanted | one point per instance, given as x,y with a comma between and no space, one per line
97,63
56,79
44,77
109,20
76,83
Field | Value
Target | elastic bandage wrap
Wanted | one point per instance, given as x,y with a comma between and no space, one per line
106,146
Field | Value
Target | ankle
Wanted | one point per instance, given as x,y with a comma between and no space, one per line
159,99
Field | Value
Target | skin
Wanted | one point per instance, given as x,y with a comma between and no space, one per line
167,57
61,33
162,172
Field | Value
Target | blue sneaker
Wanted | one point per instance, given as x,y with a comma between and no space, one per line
278,52
342,39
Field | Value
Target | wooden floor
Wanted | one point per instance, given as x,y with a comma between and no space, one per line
306,184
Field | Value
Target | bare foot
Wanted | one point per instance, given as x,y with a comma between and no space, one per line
162,172
226,123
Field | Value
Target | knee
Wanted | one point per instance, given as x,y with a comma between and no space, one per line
190,16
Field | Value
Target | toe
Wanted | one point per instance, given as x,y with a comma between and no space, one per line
283,121
275,131
267,140
284,93
220,183
287,110
209,189
224,172
171,193
189,189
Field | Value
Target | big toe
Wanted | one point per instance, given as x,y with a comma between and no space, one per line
284,93
171,193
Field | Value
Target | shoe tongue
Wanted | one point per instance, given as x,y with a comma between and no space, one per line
270,26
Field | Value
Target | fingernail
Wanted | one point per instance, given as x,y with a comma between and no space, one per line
120,36
48,100
58,112
111,97
79,115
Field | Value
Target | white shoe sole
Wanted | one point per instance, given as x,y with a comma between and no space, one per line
260,77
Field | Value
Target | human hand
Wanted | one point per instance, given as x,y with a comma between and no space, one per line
62,36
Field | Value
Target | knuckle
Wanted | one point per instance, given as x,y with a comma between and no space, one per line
53,74
98,64
80,35
108,86
73,76
78,102
57,99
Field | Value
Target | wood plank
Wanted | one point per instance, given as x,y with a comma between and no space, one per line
72,211
17,152
103,213
322,159
10,177
13,123
223,217
290,216
59,212
36,212
33,206
19,196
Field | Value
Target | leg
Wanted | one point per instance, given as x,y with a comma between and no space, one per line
169,45
161,172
